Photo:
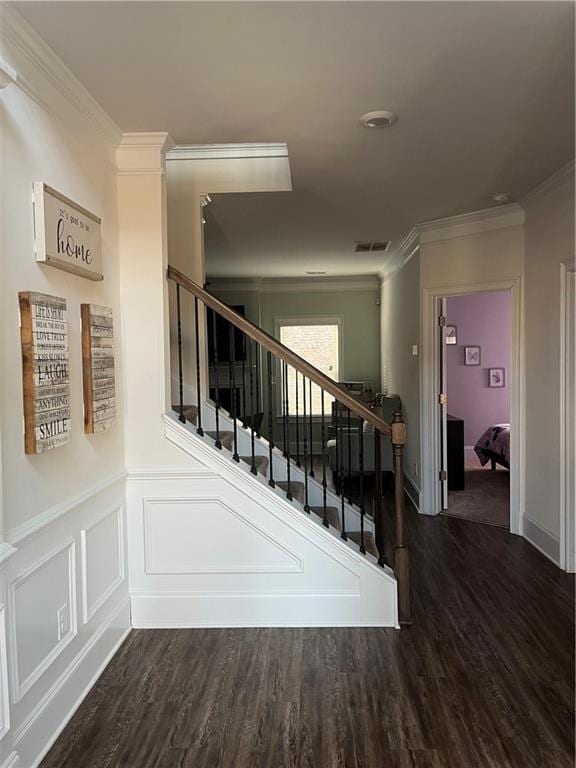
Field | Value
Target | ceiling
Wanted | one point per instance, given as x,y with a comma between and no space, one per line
484,92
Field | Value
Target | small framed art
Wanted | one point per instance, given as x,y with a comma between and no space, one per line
472,356
451,334
496,377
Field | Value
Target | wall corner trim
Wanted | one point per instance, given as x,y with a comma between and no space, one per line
542,539
143,153
464,224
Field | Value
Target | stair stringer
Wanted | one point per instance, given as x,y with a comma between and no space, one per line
204,578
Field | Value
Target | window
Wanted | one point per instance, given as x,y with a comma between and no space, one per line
318,342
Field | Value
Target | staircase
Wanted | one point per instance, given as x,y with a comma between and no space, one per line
280,414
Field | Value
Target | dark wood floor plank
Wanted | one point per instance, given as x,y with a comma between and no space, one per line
483,679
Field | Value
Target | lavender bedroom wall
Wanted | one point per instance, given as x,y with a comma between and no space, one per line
482,319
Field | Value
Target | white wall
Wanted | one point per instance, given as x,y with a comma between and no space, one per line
400,330
549,243
63,510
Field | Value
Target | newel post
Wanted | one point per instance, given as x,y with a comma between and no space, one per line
401,554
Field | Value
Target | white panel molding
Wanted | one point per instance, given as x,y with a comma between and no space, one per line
22,731
542,539
487,220
88,610
228,151
550,184
38,522
148,504
272,500
44,67
4,690
21,687
12,761
298,285
170,473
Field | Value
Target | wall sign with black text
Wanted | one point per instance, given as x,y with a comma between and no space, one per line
98,367
66,235
46,373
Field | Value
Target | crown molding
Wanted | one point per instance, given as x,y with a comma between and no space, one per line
400,254
296,284
140,154
487,220
8,74
45,78
228,151
550,184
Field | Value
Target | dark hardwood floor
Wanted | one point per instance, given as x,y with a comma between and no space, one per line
483,679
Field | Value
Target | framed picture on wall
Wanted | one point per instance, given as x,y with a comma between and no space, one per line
472,356
451,334
496,377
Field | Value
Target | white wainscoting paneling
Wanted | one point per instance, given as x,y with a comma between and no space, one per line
4,694
33,608
189,535
102,553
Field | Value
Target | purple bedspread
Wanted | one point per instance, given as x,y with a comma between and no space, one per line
494,444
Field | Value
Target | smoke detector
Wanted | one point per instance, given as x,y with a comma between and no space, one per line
380,118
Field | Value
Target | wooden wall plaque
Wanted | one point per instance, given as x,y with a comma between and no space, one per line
46,373
98,368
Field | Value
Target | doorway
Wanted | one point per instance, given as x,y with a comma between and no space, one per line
475,352
433,460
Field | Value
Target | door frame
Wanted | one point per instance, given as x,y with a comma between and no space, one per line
567,339
430,499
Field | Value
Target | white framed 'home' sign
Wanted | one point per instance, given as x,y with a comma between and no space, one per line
66,235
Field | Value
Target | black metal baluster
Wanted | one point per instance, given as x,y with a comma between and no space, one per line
361,459
233,403
199,429
244,414
323,437
342,505
270,422
181,417
350,457
284,398
339,449
257,365
216,381
311,442
305,458
251,367
297,422
287,438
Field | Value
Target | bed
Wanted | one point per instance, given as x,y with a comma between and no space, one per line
494,446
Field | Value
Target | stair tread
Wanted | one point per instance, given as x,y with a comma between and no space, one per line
369,542
190,412
296,489
226,438
332,514
260,462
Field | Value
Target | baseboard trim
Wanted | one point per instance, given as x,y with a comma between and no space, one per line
412,491
24,729
544,541
39,522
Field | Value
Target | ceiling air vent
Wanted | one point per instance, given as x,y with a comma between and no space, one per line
365,246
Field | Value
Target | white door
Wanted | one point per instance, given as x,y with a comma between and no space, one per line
443,404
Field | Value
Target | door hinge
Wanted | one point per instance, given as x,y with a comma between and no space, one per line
443,475
442,321
442,398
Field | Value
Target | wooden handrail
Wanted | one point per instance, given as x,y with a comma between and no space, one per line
278,349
